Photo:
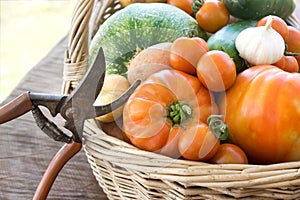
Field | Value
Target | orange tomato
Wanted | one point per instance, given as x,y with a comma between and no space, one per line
212,15
293,40
278,25
198,143
185,5
185,53
288,64
163,107
229,154
262,112
216,70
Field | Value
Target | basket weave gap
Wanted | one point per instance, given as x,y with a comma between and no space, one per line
114,187
239,192
146,192
189,191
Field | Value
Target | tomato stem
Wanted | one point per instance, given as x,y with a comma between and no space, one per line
179,112
196,6
217,126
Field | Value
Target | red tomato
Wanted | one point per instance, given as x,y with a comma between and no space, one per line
262,113
293,40
212,15
185,5
229,154
166,101
216,70
198,143
288,64
185,53
278,25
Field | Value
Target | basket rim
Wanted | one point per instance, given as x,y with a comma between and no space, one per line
92,126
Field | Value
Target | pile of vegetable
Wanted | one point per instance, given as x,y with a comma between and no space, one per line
224,91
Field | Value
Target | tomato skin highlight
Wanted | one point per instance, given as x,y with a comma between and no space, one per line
216,70
212,16
185,53
198,143
229,154
262,113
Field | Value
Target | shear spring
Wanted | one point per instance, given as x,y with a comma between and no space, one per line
49,127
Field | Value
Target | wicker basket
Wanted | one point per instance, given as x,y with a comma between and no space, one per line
125,172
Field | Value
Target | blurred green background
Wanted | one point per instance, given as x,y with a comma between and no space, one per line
29,30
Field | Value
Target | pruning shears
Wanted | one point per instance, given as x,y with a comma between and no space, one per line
75,108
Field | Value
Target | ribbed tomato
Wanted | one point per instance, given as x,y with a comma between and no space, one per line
163,107
262,110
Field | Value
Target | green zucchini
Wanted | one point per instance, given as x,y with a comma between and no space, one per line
256,9
139,26
224,40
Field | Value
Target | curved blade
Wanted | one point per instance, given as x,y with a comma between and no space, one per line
79,104
91,84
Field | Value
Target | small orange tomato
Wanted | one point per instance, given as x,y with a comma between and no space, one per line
229,154
212,15
185,5
293,40
185,53
288,64
216,71
278,25
198,143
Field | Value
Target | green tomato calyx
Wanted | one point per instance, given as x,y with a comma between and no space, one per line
218,127
179,112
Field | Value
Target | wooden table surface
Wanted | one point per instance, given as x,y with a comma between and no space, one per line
25,151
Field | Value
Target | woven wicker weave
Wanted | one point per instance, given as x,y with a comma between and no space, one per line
125,172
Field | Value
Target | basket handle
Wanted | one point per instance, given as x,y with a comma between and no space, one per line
76,56
87,17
